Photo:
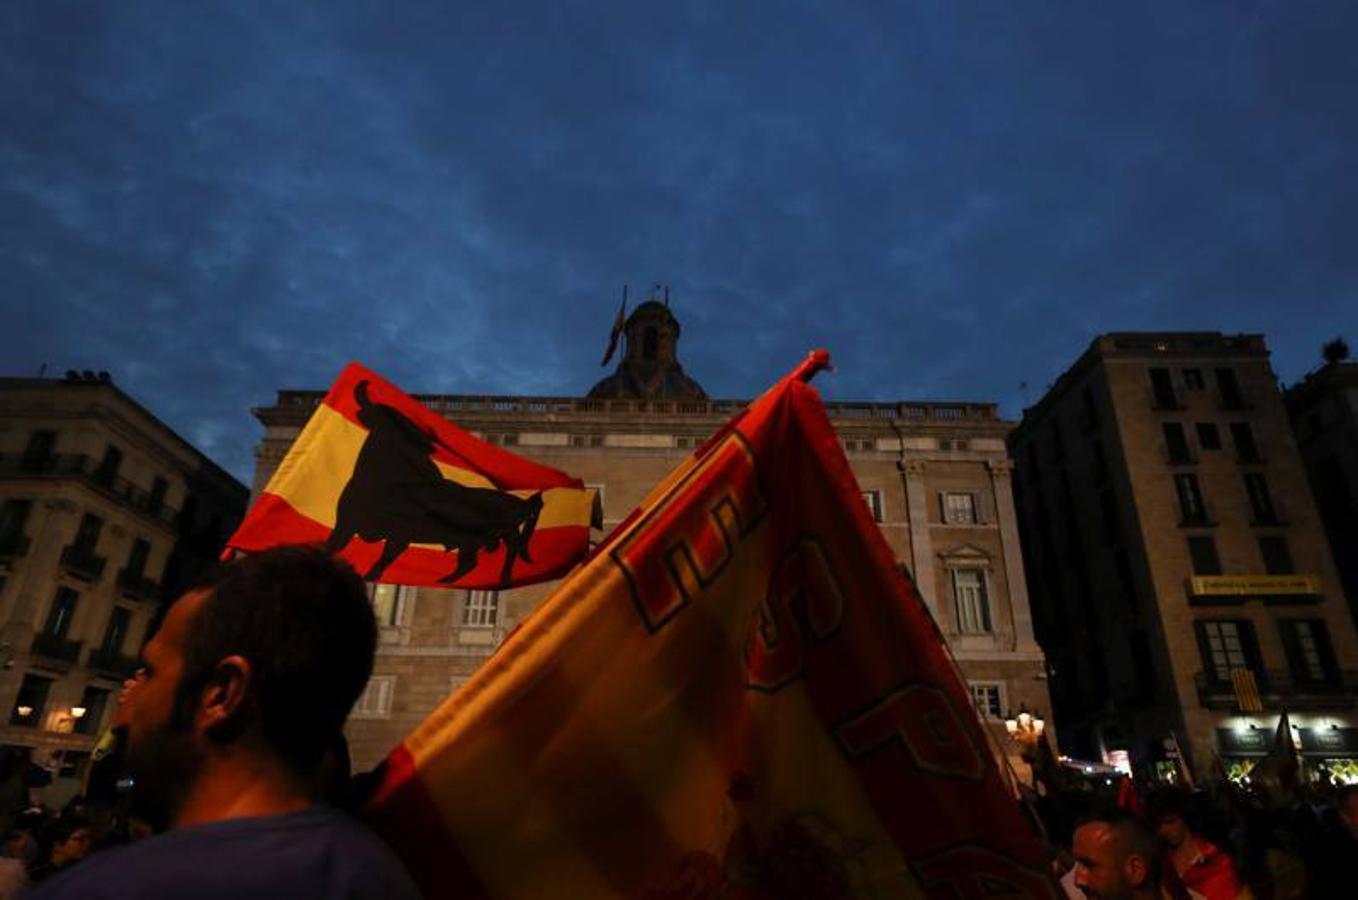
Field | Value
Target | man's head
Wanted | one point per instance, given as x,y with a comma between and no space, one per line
1169,810
70,840
266,656
1115,857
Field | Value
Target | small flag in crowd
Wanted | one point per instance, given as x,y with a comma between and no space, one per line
738,695
409,498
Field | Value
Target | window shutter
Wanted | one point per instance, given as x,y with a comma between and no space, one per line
1325,649
1208,666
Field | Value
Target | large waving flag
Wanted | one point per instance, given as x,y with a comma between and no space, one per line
739,695
408,497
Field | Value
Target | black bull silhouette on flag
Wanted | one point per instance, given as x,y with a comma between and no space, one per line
398,496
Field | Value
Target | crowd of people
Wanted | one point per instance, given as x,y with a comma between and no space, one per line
1230,843
231,738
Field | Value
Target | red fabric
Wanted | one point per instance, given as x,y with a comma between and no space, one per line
740,695
1213,874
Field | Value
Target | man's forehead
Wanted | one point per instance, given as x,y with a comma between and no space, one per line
181,612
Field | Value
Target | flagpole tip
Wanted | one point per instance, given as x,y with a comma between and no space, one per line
815,361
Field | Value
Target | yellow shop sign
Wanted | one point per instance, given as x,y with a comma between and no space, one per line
1253,585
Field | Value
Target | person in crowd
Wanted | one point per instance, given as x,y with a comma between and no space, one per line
1201,865
68,841
14,855
245,685
1334,849
1116,858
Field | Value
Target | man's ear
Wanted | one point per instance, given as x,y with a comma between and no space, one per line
225,694
1135,870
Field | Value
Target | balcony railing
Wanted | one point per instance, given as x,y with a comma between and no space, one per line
82,563
14,545
1280,688
90,471
138,586
112,663
56,648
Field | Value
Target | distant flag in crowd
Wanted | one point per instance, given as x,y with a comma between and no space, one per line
618,324
738,695
1246,691
1278,774
409,498
1129,801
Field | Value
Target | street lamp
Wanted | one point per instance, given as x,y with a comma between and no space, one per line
24,711
78,712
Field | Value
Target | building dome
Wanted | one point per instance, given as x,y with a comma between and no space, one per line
649,368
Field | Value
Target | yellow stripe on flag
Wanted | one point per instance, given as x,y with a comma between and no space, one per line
313,475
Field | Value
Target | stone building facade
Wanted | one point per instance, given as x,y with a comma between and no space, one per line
1324,411
104,513
1181,582
935,475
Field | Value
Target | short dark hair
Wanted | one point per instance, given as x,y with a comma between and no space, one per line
1135,834
302,619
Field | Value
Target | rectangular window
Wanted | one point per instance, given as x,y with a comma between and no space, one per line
1261,502
38,454
1100,462
1276,555
1143,667
1243,438
156,499
1229,389
1226,647
387,600
1125,578
1089,413
136,560
375,701
1193,380
1176,442
87,536
31,702
986,695
481,609
1309,654
109,465
1112,525
1203,551
874,501
1192,510
1162,390
13,518
1208,436
973,606
959,509
93,701
116,633
61,613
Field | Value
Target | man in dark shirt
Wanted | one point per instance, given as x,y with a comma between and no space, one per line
248,681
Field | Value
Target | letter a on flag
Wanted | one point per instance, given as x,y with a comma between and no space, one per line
739,695
407,497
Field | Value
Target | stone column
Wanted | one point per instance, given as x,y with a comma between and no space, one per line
1001,472
921,547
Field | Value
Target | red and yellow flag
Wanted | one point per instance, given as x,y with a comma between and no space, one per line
739,695
407,497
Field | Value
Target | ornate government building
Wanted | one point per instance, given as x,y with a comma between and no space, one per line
935,475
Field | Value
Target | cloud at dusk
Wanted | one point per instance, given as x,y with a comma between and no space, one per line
217,200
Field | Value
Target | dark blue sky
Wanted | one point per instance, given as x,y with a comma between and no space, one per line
216,200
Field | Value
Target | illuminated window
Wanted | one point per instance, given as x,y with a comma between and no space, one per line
973,606
481,609
988,699
375,701
959,509
874,501
387,600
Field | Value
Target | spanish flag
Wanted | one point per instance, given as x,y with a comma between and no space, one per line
407,497
739,695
